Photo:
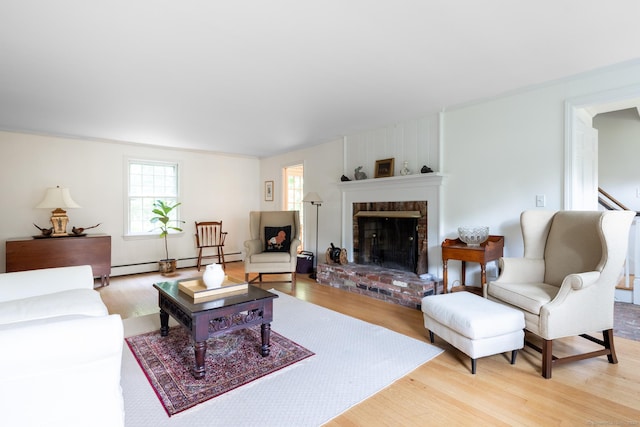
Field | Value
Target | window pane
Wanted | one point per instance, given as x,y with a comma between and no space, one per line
149,181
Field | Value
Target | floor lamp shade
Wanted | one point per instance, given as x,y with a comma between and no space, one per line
312,198
58,199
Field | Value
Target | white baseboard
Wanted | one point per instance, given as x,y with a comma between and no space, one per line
623,295
152,266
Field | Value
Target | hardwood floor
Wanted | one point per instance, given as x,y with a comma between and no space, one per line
443,391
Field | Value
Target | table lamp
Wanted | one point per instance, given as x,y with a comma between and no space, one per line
58,199
316,201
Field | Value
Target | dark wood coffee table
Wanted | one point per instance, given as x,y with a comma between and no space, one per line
214,317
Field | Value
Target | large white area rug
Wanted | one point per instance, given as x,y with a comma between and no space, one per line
353,361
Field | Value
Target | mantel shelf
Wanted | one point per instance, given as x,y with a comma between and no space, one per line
432,178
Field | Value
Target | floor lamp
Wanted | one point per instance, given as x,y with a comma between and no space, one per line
316,201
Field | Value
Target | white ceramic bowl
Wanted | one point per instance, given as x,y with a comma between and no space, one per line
473,236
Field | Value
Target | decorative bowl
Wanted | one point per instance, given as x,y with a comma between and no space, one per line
473,236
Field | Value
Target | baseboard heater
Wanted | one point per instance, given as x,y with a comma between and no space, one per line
152,266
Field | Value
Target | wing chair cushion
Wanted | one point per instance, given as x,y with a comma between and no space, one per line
525,296
271,257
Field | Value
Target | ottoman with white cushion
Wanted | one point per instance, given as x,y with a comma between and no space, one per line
474,325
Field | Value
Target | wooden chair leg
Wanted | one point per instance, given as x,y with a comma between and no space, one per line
221,257
607,337
547,358
199,259
514,354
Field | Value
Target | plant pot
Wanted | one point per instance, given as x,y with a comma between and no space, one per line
167,266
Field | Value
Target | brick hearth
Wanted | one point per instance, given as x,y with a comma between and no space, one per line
394,286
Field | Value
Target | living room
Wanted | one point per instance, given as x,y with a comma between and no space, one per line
496,154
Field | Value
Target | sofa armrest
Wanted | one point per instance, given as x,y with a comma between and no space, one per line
69,365
520,270
25,284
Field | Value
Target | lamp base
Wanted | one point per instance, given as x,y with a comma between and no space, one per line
59,220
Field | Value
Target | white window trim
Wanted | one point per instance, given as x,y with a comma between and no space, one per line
150,234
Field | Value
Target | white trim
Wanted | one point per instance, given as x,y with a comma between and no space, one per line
572,105
127,162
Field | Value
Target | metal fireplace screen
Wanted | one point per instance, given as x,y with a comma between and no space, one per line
388,239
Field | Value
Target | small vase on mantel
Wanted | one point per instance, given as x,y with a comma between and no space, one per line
213,276
405,169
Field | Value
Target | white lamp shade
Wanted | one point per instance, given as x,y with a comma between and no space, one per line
312,197
57,198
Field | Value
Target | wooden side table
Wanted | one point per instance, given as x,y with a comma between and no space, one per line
456,249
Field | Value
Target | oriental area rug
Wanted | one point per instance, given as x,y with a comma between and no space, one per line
353,360
232,360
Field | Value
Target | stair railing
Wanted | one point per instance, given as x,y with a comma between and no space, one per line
609,202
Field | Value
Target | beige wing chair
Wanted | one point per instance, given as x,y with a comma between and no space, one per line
273,248
565,283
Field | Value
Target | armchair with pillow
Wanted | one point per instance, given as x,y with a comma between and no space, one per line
275,237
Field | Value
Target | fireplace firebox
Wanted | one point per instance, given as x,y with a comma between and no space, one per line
388,241
391,235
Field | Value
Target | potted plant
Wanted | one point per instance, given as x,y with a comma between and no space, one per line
162,211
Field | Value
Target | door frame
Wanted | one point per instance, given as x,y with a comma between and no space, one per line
572,107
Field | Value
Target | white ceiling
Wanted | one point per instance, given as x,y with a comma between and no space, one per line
261,77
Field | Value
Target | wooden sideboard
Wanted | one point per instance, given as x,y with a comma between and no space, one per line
28,253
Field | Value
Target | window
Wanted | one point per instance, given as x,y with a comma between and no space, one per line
293,192
149,181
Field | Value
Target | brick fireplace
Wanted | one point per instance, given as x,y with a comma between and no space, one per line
391,235
413,193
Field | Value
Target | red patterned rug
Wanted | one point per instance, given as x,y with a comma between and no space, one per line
232,360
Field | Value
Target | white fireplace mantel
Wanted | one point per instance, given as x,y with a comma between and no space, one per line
397,189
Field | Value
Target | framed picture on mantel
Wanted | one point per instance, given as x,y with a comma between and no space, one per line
384,168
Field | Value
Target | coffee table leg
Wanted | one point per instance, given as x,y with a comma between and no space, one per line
265,329
164,323
200,349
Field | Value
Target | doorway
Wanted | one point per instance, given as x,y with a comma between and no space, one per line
580,167
293,193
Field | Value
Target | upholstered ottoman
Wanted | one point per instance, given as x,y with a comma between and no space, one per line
474,325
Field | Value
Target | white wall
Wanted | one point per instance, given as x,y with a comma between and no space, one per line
414,141
322,170
213,186
501,153
497,155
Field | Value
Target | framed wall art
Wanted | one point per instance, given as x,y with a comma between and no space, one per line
268,191
384,168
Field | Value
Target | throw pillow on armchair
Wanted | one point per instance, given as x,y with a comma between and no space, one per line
277,239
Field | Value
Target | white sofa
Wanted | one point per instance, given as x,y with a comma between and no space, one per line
60,351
